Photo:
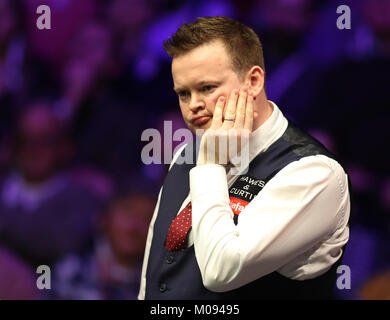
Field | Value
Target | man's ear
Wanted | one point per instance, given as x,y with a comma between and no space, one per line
255,80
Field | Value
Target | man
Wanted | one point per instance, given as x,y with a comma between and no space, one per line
111,269
40,204
276,231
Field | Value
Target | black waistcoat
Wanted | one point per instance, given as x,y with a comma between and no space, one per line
176,275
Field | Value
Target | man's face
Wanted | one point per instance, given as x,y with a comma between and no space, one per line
39,144
200,77
127,229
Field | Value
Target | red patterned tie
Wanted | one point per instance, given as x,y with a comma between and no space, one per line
177,233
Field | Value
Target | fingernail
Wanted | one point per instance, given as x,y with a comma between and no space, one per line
222,99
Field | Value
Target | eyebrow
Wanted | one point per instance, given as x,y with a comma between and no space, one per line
178,89
198,84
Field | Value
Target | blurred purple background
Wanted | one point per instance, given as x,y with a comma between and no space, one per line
74,101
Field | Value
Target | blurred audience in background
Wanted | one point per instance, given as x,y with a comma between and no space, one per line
18,279
112,269
105,78
12,49
67,17
44,214
95,105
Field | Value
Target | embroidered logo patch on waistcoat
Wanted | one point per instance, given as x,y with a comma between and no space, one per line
243,191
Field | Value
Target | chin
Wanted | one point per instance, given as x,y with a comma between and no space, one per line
205,125
203,128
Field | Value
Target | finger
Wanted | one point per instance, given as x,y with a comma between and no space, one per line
218,112
230,112
241,106
248,125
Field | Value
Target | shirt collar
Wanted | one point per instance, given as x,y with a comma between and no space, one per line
265,135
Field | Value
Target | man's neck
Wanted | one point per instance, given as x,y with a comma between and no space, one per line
263,109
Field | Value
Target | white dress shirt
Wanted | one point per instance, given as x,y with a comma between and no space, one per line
297,225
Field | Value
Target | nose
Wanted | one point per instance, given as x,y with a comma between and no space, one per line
196,103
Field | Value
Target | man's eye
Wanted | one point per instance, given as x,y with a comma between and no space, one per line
207,88
183,94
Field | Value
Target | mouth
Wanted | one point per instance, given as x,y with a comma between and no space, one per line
200,120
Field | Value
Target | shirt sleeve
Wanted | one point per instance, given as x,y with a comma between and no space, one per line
305,203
